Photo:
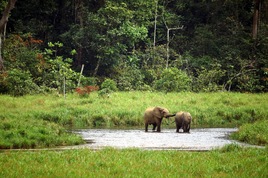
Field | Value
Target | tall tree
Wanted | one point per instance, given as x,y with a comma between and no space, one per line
3,21
256,17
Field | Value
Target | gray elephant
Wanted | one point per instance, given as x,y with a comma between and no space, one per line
154,115
183,121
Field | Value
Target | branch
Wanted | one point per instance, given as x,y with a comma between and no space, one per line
4,19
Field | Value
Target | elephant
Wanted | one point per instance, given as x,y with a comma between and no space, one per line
183,121
154,115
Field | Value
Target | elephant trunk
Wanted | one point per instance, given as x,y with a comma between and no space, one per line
170,115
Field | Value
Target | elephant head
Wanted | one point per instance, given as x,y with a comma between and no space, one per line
154,115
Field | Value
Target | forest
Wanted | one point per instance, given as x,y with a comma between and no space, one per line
147,45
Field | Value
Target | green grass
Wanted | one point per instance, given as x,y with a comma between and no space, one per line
256,133
231,161
34,120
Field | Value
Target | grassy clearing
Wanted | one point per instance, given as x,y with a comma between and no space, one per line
33,121
231,161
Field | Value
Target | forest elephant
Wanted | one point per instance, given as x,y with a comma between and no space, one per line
183,121
154,115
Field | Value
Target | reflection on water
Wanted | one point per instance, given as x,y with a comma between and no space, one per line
197,139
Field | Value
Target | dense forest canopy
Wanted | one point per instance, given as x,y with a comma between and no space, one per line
164,45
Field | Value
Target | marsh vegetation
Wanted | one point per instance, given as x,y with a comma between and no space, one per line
33,121
44,120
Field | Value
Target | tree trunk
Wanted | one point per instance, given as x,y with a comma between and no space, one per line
79,19
1,60
3,21
97,67
256,14
155,23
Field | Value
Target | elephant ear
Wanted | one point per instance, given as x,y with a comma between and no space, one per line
157,112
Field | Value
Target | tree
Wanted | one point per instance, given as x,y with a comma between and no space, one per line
257,6
3,21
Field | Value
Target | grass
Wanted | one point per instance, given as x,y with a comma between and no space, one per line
256,133
30,133
34,120
41,121
231,161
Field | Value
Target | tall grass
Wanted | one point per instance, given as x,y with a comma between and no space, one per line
120,109
256,133
231,161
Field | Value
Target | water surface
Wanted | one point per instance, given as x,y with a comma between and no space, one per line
197,139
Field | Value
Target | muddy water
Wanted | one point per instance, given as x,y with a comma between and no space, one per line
197,139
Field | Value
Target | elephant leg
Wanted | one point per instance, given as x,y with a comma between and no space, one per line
158,127
178,128
184,128
188,128
146,127
154,126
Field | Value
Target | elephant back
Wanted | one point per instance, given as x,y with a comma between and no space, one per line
148,113
187,117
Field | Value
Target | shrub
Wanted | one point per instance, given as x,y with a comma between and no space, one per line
131,79
89,81
109,84
85,91
173,80
20,82
209,80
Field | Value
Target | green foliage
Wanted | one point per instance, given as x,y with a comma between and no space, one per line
31,71
108,86
256,133
173,80
22,66
107,35
131,78
132,32
86,81
19,82
58,71
209,80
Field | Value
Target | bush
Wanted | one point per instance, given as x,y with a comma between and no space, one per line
19,82
173,80
108,86
209,80
85,91
89,81
131,79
